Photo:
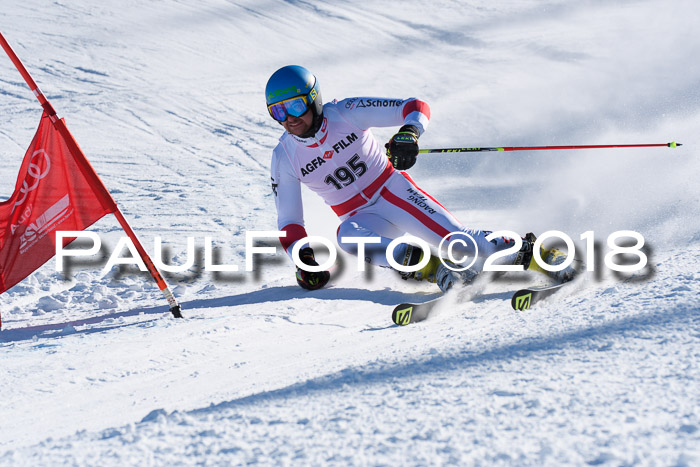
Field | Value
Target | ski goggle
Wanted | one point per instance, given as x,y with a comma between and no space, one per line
295,106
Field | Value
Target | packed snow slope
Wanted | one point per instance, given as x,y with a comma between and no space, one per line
166,99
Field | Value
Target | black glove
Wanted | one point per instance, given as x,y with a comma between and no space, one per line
402,148
310,280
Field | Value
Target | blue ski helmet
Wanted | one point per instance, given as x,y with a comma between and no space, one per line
292,81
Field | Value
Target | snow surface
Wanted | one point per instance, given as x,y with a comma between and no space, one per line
166,99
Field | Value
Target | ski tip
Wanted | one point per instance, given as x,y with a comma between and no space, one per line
673,144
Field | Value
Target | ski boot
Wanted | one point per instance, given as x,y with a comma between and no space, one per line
446,277
552,256
435,271
413,256
525,256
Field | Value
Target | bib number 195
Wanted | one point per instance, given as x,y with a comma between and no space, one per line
347,174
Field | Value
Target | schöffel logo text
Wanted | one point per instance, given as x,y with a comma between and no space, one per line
379,103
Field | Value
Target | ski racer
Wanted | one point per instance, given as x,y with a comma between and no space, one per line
331,150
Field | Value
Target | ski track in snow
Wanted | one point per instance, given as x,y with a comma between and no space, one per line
166,100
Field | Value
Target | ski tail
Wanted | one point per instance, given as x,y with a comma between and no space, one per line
407,313
402,314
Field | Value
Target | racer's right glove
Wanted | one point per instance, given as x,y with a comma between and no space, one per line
310,280
402,148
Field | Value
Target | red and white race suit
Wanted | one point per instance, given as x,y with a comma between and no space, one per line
345,165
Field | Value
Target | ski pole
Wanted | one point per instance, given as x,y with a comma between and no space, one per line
547,148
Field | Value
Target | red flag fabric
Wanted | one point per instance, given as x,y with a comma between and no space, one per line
57,189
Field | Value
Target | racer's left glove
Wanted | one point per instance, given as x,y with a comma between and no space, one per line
402,148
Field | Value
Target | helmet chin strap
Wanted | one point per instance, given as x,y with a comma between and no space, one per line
315,124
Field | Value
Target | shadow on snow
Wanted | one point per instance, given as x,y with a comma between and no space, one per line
459,360
272,294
